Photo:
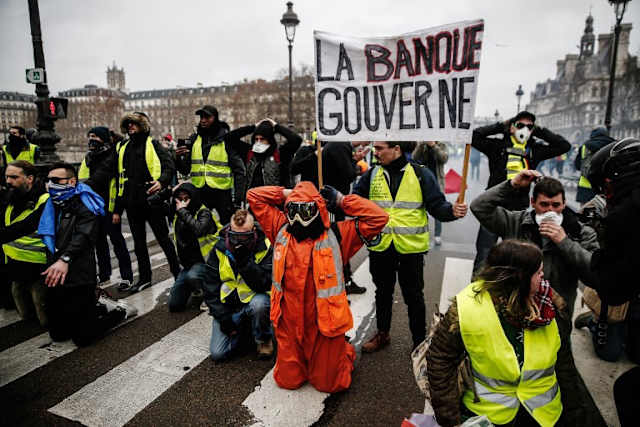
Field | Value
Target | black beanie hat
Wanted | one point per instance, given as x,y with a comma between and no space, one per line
101,132
265,129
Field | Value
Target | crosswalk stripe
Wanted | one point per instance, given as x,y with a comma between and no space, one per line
456,276
116,397
29,355
7,317
275,406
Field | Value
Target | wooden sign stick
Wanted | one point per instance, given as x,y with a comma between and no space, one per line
465,170
319,155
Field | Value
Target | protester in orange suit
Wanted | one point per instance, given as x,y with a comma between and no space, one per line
309,307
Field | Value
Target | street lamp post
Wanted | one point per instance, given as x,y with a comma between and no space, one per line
290,21
46,137
519,94
619,7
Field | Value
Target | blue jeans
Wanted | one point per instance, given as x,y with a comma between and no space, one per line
187,281
256,310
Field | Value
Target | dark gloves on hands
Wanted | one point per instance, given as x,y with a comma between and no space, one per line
333,198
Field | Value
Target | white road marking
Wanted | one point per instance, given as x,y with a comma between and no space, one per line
116,397
29,355
456,276
274,406
115,273
7,317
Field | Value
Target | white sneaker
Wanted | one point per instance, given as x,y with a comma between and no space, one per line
204,306
437,240
111,305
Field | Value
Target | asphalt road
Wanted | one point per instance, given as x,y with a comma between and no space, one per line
154,370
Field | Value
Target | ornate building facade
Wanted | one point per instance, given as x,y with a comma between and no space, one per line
17,109
574,101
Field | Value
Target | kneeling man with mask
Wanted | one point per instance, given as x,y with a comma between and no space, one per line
309,307
236,284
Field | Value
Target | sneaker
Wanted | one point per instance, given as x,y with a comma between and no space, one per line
437,240
265,350
124,285
353,288
140,286
378,342
204,306
110,305
583,320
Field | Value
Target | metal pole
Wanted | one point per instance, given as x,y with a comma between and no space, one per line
46,137
612,76
290,88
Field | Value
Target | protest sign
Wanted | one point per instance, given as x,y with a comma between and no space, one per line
419,86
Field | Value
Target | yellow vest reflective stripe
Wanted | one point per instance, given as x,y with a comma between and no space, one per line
215,172
28,248
500,384
151,158
27,155
206,242
584,182
516,158
231,282
408,224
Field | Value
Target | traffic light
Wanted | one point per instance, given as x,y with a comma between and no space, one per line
54,108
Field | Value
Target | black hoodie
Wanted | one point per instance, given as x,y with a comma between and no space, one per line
190,224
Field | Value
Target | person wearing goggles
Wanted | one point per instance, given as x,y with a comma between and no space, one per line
236,286
512,146
309,306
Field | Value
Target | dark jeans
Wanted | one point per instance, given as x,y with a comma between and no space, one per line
114,231
220,200
625,394
384,267
619,336
187,281
138,216
73,314
484,242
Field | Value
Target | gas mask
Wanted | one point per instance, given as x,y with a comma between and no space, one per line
302,212
241,243
549,216
523,132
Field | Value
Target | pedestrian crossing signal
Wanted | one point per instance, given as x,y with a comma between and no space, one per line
54,108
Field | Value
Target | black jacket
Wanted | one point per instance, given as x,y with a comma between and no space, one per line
191,224
76,235
338,167
137,172
103,167
256,276
495,149
432,198
217,134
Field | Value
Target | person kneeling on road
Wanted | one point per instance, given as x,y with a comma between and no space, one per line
69,228
236,287
194,232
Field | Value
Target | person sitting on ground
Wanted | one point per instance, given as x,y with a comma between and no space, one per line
236,286
69,228
504,321
195,233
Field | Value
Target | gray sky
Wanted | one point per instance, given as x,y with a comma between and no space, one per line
164,44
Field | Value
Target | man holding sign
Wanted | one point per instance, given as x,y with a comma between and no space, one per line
407,192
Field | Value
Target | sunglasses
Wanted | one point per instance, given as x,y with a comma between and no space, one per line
520,125
56,180
303,212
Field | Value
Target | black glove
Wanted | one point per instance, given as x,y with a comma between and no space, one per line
241,255
333,198
227,326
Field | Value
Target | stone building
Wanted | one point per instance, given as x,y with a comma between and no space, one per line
17,109
574,101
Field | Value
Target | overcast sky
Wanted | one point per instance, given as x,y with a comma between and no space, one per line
163,44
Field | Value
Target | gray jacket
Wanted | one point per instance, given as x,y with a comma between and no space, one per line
440,153
565,262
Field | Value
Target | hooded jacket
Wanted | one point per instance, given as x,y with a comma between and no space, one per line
494,148
191,223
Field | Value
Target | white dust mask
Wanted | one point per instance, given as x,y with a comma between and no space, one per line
522,135
260,147
549,216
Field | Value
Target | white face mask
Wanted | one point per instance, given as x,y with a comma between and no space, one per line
549,216
522,135
260,147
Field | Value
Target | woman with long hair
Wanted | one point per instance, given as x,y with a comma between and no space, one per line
504,323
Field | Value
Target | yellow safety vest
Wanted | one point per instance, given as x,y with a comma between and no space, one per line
206,242
28,155
151,158
584,182
516,158
84,173
216,172
408,223
231,282
500,384
28,248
